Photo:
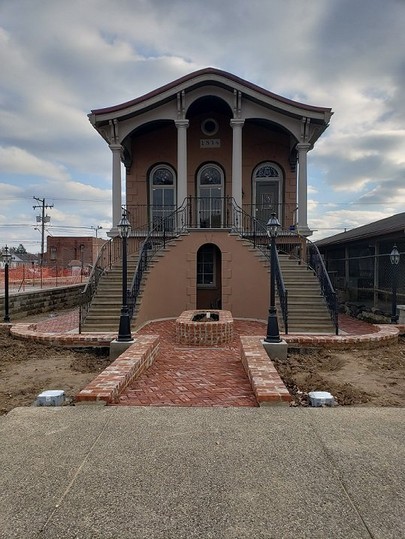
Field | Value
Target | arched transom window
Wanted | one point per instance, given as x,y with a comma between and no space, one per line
267,191
210,188
162,186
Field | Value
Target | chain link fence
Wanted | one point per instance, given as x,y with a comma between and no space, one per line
368,279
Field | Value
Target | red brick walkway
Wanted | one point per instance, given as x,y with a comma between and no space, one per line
199,376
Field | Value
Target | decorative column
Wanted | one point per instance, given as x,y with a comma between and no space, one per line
237,125
182,126
303,189
116,187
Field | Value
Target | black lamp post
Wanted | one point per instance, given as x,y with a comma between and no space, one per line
124,332
273,334
6,255
394,259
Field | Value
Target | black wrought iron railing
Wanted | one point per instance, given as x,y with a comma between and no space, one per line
208,212
282,292
316,263
109,253
253,230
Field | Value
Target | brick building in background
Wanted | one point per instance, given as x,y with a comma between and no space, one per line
63,250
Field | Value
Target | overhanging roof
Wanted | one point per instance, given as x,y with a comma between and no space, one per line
395,223
217,77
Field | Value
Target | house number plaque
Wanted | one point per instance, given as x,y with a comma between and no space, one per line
210,143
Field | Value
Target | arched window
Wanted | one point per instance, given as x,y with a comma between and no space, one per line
267,191
210,189
162,185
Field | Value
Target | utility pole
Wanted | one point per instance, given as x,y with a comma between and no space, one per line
43,219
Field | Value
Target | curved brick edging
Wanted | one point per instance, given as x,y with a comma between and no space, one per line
110,383
385,335
70,340
268,387
192,333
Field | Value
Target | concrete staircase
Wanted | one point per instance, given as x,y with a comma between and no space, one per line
105,308
307,309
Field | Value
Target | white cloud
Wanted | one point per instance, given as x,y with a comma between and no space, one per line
61,59
18,161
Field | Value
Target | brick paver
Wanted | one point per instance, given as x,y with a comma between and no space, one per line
187,376
204,376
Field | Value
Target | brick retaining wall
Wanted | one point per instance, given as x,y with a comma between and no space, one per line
109,384
268,387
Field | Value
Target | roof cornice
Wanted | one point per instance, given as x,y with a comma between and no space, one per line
216,76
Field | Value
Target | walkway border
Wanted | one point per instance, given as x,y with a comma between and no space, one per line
386,334
266,383
110,383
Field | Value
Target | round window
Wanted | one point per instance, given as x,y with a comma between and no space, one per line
209,127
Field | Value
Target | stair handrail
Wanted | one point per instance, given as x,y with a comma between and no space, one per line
257,231
107,255
282,292
167,227
316,263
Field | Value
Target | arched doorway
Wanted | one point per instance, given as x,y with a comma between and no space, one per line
162,194
210,193
268,191
209,277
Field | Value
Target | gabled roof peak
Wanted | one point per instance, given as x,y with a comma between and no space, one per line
210,74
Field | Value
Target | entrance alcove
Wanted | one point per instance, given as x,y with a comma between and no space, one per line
209,277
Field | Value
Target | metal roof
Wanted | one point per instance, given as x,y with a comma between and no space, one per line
395,223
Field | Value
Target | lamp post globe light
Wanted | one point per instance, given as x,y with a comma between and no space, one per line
273,334
394,259
124,331
6,256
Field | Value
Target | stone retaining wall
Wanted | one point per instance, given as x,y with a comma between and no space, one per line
42,301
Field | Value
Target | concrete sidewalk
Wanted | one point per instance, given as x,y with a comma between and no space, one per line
173,473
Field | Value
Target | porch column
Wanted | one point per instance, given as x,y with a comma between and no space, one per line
303,189
237,125
182,126
116,187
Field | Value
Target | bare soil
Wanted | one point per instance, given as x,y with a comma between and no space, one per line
27,369
354,377
374,377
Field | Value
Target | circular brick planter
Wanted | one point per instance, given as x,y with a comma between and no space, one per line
204,333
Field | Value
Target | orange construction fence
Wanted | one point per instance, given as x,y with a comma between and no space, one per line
25,276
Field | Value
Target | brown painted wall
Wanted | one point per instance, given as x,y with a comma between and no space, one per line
149,149
171,284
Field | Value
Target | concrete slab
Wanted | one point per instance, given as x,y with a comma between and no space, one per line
276,350
119,347
202,472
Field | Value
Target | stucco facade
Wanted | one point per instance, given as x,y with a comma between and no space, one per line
252,138
209,151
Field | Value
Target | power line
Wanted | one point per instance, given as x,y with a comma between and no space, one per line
42,218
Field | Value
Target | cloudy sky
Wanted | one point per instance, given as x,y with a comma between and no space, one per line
61,59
